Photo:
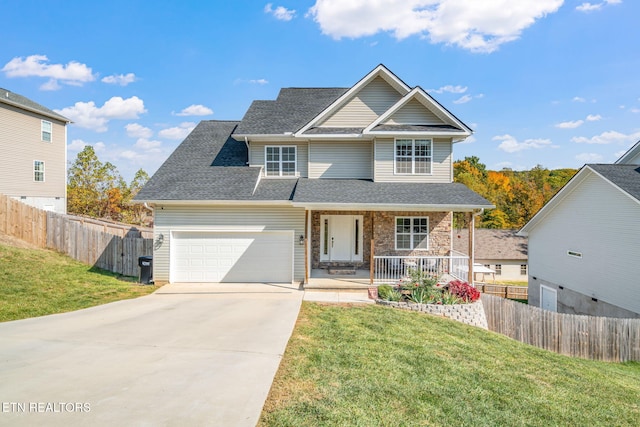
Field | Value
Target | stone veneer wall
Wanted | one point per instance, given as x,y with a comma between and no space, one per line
469,314
384,226
315,239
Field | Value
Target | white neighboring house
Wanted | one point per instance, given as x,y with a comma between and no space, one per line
33,142
584,244
501,251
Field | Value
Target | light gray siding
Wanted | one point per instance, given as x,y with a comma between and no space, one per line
635,160
440,167
256,155
223,218
21,144
601,223
341,160
365,107
413,113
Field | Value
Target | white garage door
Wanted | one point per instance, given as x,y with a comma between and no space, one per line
201,257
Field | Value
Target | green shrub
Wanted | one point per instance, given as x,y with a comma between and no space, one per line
384,291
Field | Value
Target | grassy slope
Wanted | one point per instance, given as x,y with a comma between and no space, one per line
365,366
38,282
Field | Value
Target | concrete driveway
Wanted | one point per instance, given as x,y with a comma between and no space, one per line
185,355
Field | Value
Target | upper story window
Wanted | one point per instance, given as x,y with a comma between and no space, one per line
413,156
280,160
46,130
38,171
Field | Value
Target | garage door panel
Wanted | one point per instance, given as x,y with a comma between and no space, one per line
232,257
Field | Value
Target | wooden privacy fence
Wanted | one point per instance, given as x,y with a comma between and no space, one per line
106,245
599,338
513,292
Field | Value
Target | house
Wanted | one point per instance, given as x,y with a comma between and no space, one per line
338,179
33,141
503,252
584,248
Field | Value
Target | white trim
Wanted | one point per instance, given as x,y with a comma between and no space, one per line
352,238
413,157
379,71
424,98
631,152
411,233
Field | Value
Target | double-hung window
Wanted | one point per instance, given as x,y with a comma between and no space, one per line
413,156
38,171
46,129
280,160
412,233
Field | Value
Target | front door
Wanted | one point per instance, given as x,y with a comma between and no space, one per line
341,238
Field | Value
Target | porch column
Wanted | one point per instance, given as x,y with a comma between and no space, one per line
472,226
307,242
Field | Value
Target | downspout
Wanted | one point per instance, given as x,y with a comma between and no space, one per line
246,142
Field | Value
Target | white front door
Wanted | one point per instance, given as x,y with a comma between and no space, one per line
341,238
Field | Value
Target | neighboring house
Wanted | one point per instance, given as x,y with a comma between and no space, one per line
502,251
314,179
33,141
584,244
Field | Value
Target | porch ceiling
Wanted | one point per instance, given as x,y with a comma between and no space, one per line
356,194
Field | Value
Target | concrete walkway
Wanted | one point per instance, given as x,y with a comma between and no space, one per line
196,355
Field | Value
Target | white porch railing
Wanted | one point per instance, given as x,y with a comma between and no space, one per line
390,269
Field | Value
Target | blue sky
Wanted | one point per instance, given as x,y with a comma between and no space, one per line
547,82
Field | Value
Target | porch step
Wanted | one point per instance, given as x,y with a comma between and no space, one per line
342,271
333,286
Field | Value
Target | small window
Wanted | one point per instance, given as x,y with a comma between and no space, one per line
46,130
38,171
413,156
523,269
412,233
498,269
280,161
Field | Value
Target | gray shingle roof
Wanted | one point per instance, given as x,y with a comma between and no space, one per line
208,165
627,177
294,108
11,98
492,244
356,191
330,130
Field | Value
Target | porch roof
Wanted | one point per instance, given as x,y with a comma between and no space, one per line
366,194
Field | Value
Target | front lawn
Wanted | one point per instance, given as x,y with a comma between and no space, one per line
36,282
375,366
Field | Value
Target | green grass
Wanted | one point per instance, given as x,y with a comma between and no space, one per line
38,282
376,366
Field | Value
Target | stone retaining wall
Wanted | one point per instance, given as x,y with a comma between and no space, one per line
469,314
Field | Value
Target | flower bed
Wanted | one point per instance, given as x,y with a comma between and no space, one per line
418,292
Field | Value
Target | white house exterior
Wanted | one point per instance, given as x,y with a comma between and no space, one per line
310,181
584,245
33,142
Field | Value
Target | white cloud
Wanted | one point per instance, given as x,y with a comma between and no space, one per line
136,130
635,110
99,146
570,125
478,26
610,137
119,79
589,157
87,115
128,154
147,145
281,13
578,99
73,73
463,99
195,110
510,145
178,132
76,145
450,89
468,140
259,81
590,7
